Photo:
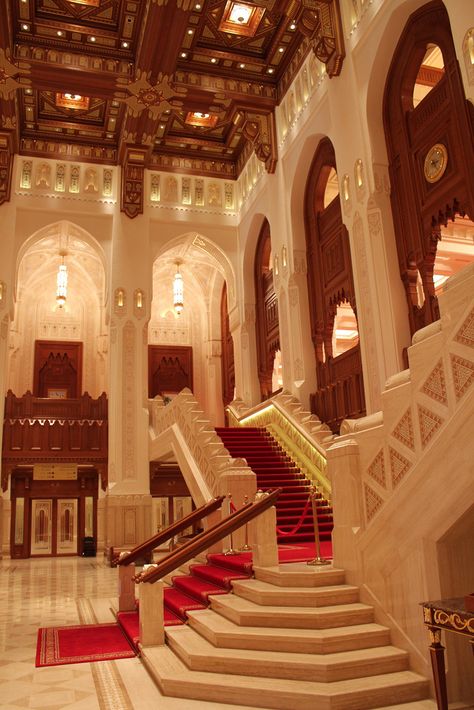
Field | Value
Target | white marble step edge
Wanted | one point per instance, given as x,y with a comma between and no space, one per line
175,679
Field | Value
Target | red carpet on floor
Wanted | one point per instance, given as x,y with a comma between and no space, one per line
60,645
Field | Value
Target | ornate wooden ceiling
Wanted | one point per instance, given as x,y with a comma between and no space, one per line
146,82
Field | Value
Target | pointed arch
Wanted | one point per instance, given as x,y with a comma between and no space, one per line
340,392
430,147
266,311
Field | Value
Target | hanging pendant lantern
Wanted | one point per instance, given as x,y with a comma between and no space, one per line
178,291
61,284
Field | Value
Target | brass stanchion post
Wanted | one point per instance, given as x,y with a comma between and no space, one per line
231,550
246,547
318,560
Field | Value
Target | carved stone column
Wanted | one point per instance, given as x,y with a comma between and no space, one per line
303,362
213,381
247,386
128,503
6,283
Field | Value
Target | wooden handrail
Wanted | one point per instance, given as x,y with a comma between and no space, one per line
207,538
169,532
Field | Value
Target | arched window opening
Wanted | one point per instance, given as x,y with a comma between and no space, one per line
266,310
277,376
345,332
331,289
455,250
431,71
332,188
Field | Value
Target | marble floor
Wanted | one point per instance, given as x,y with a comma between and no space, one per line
61,592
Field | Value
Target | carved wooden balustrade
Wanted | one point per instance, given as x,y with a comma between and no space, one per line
340,394
40,430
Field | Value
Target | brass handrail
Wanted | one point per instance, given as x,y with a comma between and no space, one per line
207,538
169,532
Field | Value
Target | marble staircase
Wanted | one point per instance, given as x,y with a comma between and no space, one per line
294,637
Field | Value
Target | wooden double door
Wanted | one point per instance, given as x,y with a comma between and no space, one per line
52,518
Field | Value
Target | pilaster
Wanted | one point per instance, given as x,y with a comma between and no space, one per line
245,352
128,503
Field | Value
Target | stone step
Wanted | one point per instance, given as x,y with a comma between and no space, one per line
259,592
246,613
300,575
175,679
200,655
224,633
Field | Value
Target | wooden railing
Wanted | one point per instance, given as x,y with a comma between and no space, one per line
30,407
126,558
208,538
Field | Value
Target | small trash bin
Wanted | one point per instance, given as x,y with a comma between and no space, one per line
88,547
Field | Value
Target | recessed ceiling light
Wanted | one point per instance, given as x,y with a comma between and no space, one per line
281,49
92,39
28,91
242,66
125,45
162,127
213,60
197,6
270,70
25,27
59,33
110,135
292,26
190,32
183,55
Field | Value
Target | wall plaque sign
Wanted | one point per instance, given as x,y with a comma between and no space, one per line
55,472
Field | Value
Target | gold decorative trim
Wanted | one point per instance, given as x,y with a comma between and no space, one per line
453,620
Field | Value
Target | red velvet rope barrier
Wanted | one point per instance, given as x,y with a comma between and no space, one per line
299,523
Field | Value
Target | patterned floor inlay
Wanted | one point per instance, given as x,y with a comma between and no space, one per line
65,592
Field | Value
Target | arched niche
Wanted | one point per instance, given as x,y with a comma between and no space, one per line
339,391
266,311
429,131
80,322
197,329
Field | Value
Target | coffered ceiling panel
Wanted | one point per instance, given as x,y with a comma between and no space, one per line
178,78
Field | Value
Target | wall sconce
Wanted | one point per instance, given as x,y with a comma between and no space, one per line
275,265
120,300
3,290
284,261
139,298
178,290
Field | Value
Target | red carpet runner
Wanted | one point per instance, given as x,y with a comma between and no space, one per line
60,645
275,469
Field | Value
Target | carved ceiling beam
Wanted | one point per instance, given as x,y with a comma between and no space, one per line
6,166
260,131
320,20
133,173
9,123
157,56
